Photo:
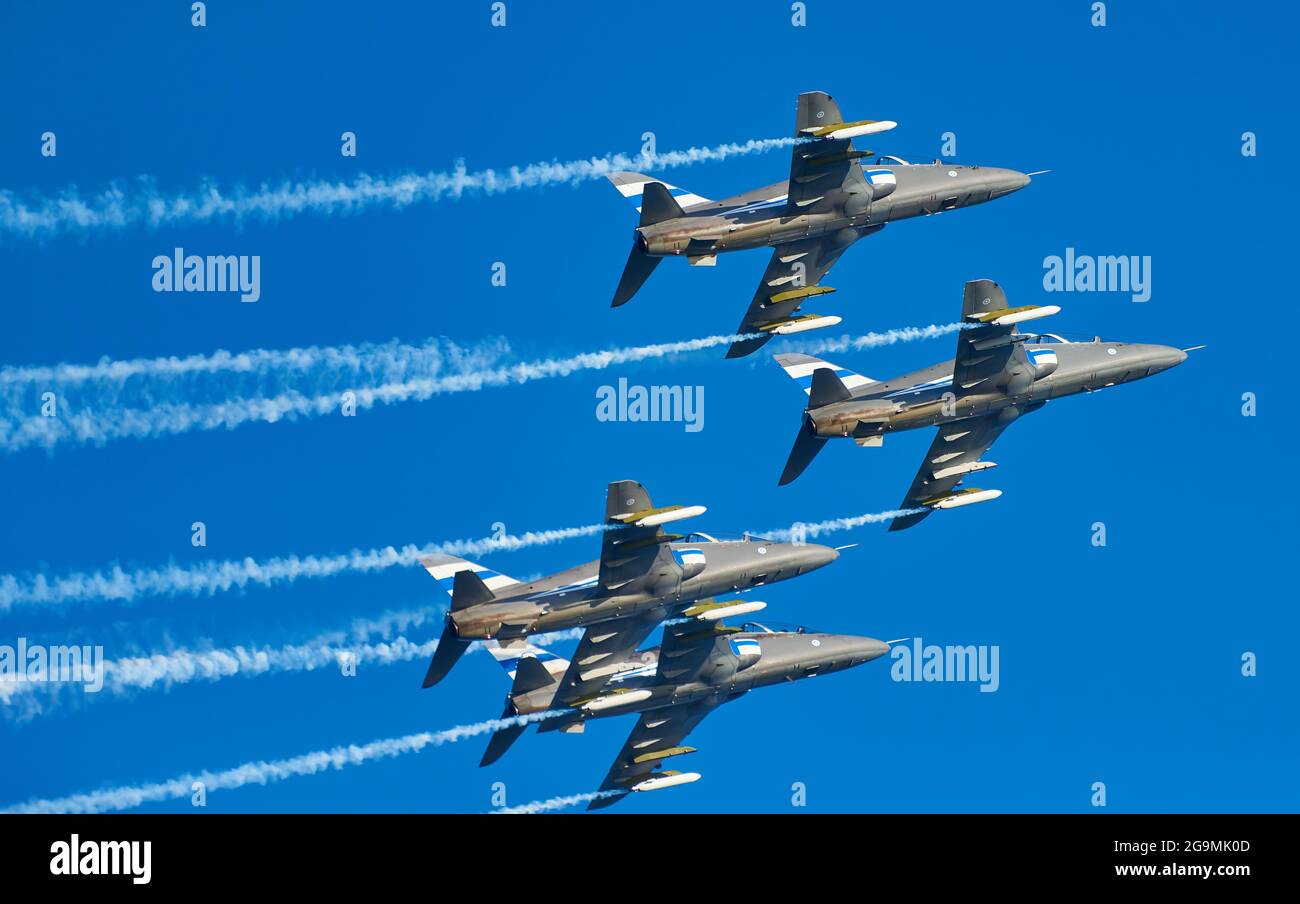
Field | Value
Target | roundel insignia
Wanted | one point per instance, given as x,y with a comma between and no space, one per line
630,503
821,113
816,643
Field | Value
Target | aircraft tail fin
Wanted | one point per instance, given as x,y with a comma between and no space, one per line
657,205
530,669
632,186
468,590
826,389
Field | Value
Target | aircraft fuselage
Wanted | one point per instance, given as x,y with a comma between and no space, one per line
782,657
574,598
739,224
926,398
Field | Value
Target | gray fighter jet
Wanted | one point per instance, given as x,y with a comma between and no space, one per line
829,202
643,576
998,375
673,687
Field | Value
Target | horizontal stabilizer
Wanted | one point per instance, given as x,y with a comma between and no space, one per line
450,649
632,186
502,739
801,368
806,447
636,271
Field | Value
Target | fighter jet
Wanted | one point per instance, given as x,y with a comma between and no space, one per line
829,202
642,577
998,375
696,669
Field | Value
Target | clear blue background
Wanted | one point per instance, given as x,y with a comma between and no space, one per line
1119,664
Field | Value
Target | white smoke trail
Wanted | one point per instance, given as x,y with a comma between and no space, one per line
118,208
876,340
107,419
370,361
262,772
559,803
103,424
165,670
816,529
214,577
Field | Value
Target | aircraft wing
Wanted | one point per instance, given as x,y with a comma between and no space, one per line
657,736
990,359
955,452
634,545
824,177
824,169
688,650
604,651
990,351
791,278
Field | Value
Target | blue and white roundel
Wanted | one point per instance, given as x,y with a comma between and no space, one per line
687,557
747,650
881,177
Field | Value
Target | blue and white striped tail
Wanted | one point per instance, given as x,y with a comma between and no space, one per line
800,369
632,186
444,568
509,656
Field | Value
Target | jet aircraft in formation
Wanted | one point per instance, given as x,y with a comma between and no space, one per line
647,579
829,202
997,375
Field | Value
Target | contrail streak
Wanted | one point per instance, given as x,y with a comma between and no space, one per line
559,803
263,771
100,425
119,208
205,662
816,529
380,373
876,340
367,360
230,574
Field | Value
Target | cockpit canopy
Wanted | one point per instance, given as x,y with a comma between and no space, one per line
773,628
701,537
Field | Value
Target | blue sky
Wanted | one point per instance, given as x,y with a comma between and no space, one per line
1118,664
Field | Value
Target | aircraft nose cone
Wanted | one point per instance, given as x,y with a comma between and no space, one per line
1166,358
815,556
864,649
874,649
1004,182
